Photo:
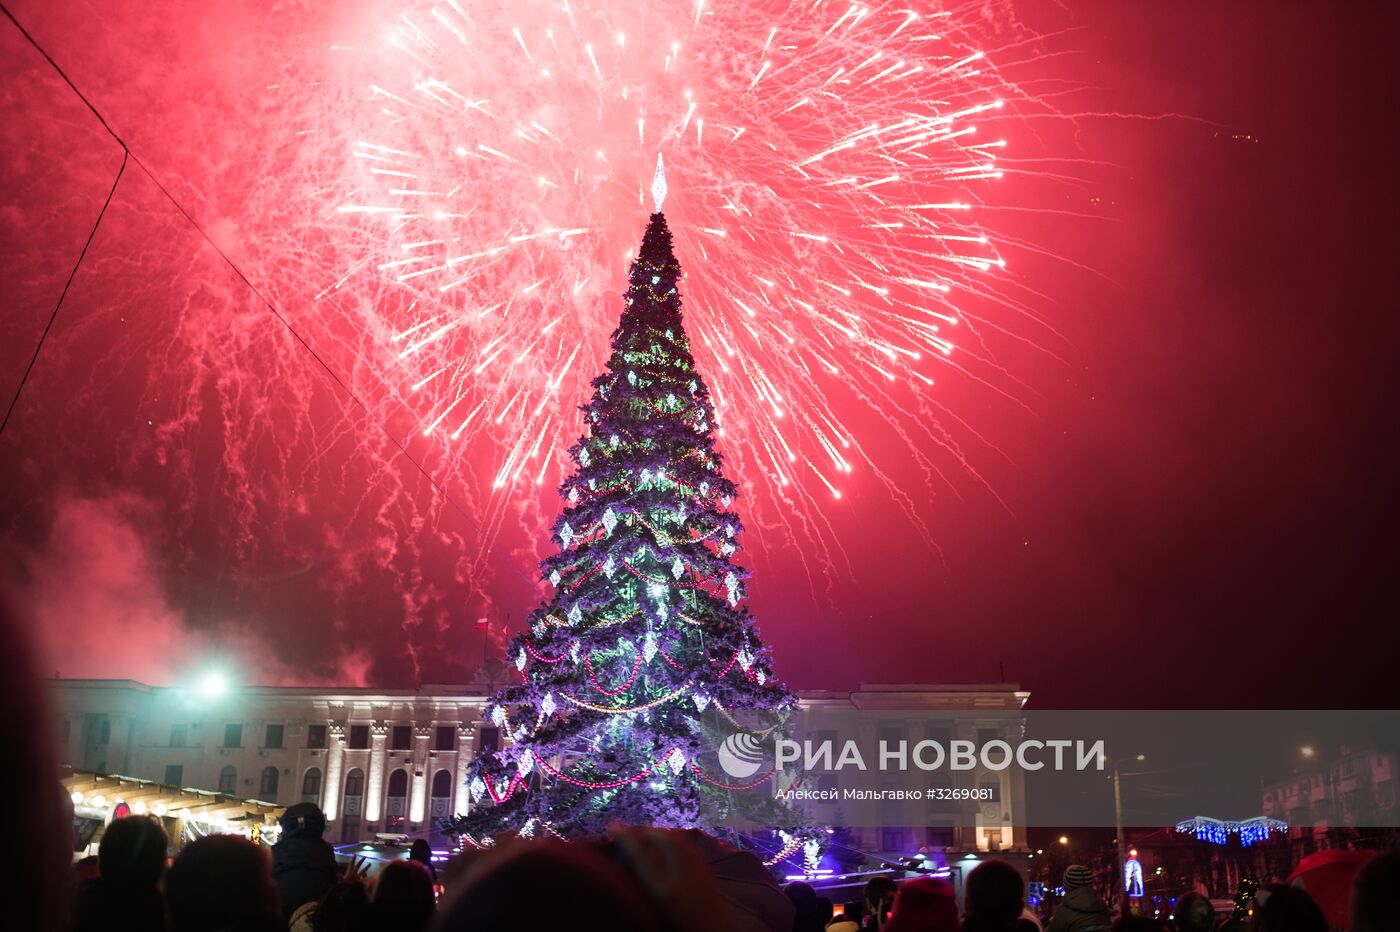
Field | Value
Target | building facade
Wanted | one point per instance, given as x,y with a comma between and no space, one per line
1338,798
395,761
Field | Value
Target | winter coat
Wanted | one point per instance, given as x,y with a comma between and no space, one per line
102,907
1081,911
303,864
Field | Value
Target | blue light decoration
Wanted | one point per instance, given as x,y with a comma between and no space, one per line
1250,831
1132,877
1259,829
1211,830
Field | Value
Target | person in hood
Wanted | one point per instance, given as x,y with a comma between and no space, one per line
303,863
1081,910
924,904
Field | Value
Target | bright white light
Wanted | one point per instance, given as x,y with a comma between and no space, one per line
212,685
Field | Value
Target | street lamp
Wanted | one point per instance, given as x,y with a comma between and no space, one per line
1118,826
1064,839
1307,751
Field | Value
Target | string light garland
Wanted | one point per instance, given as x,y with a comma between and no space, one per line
1218,832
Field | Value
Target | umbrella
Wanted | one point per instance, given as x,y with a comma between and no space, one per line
1326,877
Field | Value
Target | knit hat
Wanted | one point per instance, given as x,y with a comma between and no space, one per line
1077,875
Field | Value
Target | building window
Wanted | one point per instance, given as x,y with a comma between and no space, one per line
267,788
446,738
892,840
488,739
401,738
354,805
359,737
174,774
179,735
233,736
938,836
316,736
273,738
355,782
104,732
940,796
990,788
396,806
311,786
441,795
67,731
987,734
228,781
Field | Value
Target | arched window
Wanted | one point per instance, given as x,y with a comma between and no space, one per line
267,788
940,792
228,780
396,808
441,795
311,786
354,806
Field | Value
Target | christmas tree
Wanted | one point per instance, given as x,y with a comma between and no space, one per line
645,632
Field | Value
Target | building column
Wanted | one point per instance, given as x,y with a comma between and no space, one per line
120,741
374,782
418,790
461,802
335,762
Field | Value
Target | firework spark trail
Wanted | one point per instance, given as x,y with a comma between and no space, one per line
826,170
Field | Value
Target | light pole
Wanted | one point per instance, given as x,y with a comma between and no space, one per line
1122,855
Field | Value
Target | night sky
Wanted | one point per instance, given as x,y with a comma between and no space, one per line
1186,476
